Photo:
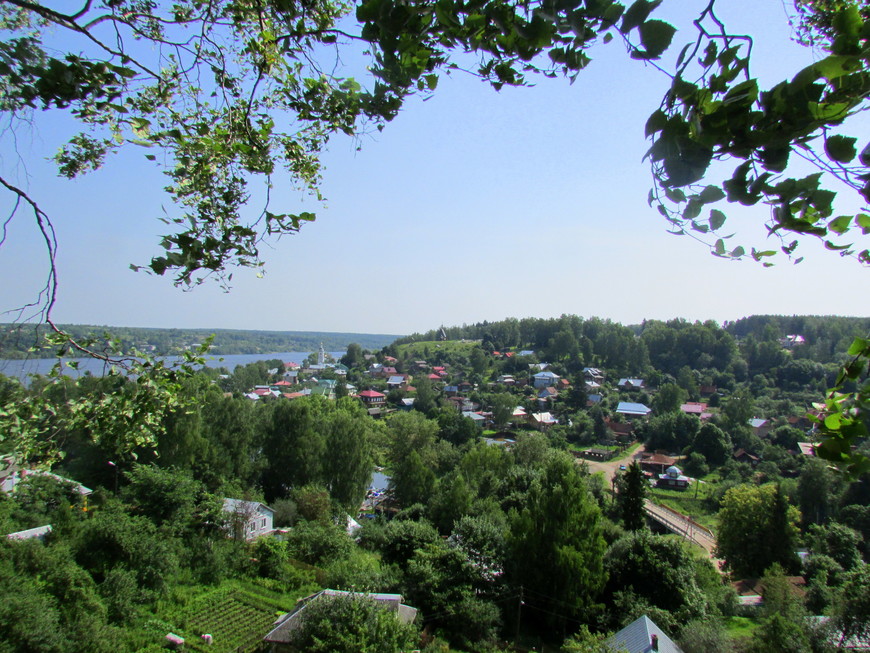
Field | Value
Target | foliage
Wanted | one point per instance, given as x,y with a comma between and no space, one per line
632,492
660,571
757,528
124,414
352,624
555,545
844,413
852,609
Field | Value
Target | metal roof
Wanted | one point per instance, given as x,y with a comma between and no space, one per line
637,637
630,408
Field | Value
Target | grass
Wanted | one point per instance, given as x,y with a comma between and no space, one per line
740,627
684,501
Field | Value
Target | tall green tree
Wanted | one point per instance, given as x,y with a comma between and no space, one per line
556,548
757,528
632,493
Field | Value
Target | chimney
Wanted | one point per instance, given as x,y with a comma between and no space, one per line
655,642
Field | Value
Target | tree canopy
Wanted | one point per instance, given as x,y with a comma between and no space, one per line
226,95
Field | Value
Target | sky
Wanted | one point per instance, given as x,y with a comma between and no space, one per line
472,205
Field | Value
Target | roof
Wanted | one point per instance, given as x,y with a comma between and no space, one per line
807,448
288,623
546,375
396,379
631,408
543,418
693,408
757,422
477,417
657,459
631,382
637,637
31,533
371,393
242,506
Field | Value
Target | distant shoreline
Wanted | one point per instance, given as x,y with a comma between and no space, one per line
25,342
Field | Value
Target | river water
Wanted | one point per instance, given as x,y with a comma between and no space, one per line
22,369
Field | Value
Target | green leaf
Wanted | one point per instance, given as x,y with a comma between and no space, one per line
864,157
858,346
637,13
841,148
840,225
655,123
717,219
737,252
656,36
711,194
863,221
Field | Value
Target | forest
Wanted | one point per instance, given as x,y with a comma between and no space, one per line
498,528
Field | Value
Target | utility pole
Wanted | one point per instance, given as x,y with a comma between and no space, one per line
519,616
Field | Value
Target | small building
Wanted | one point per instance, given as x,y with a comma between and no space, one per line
38,533
632,409
542,421
630,384
807,448
397,381
642,636
694,408
743,456
760,426
656,463
372,398
593,374
673,479
545,379
248,520
477,418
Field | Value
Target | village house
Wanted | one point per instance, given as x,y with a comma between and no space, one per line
642,636
655,463
631,409
760,426
593,374
397,381
542,421
372,398
743,456
545,379
630,384
248,520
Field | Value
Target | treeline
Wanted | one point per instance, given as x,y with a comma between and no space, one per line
29,341
665,346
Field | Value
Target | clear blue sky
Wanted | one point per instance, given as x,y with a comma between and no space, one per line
472,205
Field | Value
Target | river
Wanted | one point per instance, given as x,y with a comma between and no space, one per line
22,369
